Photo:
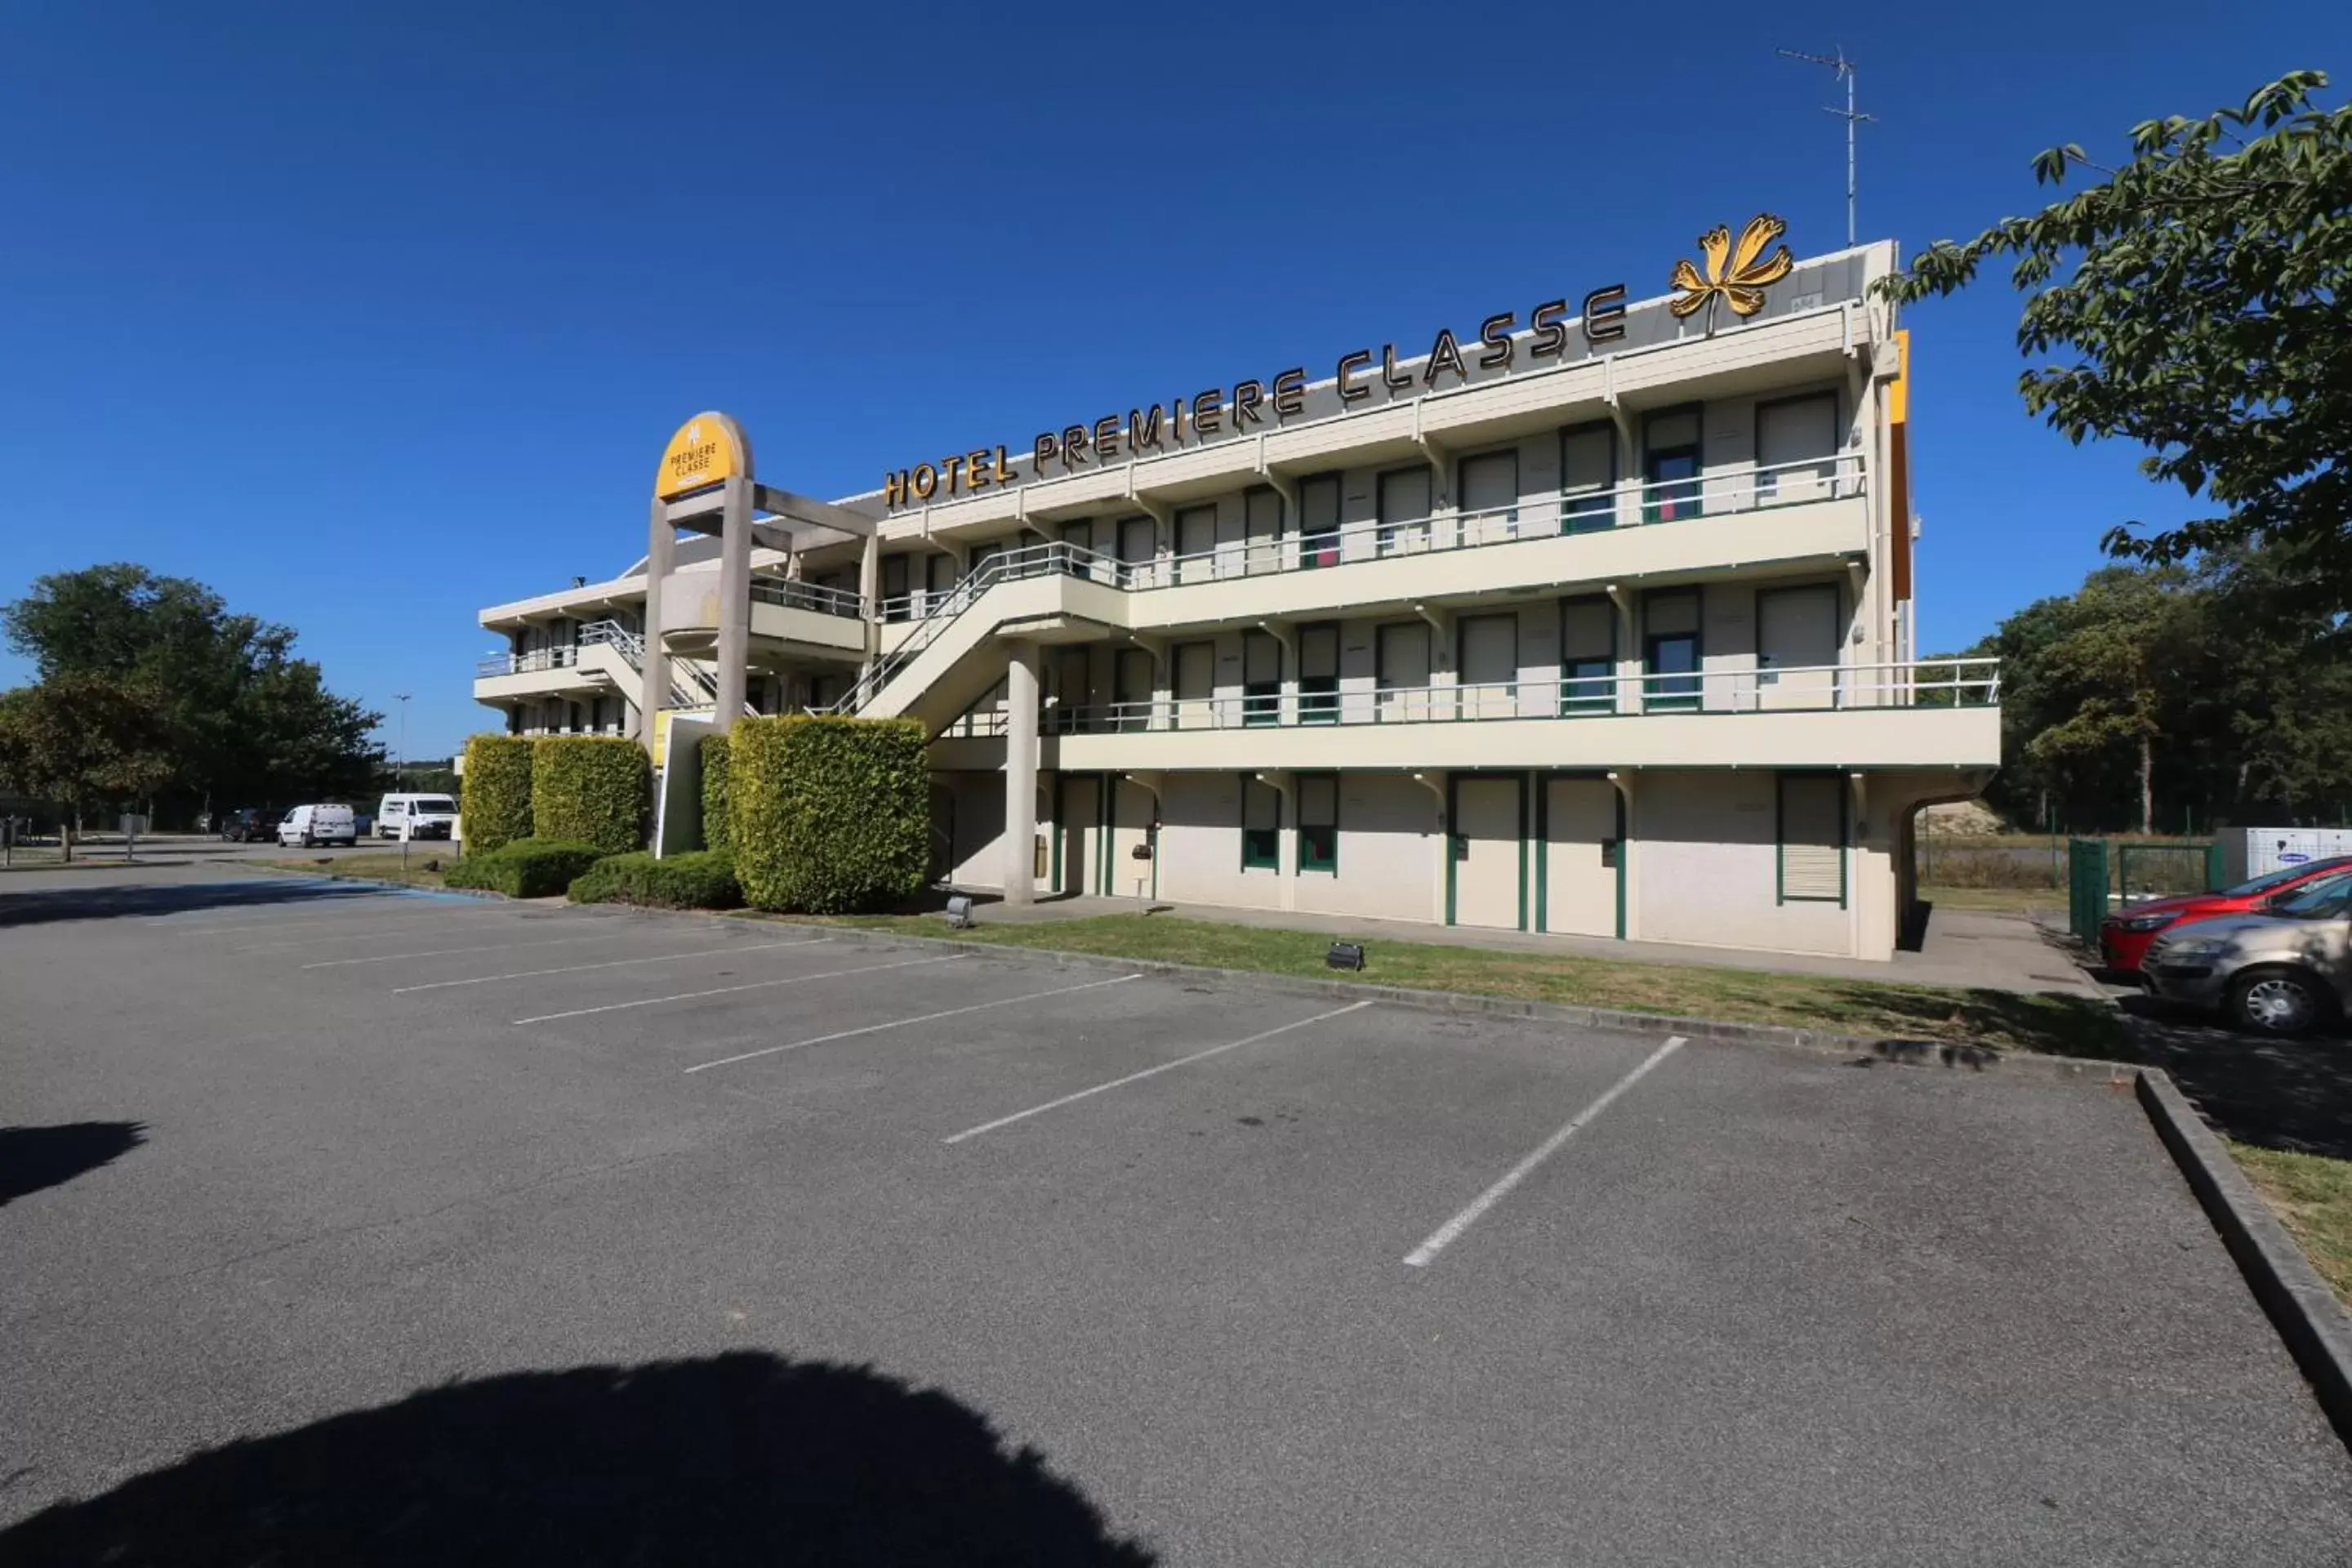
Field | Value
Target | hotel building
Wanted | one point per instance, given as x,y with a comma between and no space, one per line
1595,621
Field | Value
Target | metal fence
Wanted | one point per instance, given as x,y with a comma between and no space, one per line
2086,887
2100,874
2095,874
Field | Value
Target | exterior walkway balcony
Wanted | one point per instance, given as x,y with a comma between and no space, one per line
1942,713
1800,516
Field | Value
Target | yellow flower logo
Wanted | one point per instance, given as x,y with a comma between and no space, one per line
1734,273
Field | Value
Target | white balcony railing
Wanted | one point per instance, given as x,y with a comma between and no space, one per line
562,657
1840,688
1635,503
794,594
566,656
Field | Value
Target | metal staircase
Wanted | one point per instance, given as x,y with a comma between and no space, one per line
1013,565
698,689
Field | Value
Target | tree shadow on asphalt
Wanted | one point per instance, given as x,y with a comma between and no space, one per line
2292,1094
1974,1026
739,1459
46,905
32,1158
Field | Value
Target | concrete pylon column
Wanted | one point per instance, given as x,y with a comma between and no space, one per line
1021,775
734,603
653,684
869,589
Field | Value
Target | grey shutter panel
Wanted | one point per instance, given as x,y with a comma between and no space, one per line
1812,851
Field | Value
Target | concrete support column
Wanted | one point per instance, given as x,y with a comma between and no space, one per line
869,588
653,687
734,603
1021,774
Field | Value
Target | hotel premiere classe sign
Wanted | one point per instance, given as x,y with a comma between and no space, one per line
1736,275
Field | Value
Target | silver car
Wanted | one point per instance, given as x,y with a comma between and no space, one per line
2284,970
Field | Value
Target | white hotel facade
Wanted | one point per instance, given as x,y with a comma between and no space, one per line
1596,621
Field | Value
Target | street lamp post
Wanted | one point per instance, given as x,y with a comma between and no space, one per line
400,779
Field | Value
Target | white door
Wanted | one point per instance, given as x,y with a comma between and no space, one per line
1588,479
1130,830
1403,661
1587,656
1404,502
1580,852
1797,646
1486,850
1319,675
1261,678
1068,701
1138,541
1490,666
938,581
1131,689
1796,449
1490,498
1081,825
1196,684
1320,541
1196,544
1263,528
1080,538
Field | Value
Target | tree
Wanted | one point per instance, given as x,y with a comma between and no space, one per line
2206,303
2176,694
2123,656
250,723
2266,714
83,739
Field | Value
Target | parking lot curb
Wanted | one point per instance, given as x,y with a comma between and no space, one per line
1948,1053
2308,1317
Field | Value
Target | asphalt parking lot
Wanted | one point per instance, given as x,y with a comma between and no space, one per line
1260,1278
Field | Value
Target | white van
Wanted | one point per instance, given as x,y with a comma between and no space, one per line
406,816
308,824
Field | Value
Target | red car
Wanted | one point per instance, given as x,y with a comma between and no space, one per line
2125,936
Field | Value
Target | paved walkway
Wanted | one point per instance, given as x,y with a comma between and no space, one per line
1967,948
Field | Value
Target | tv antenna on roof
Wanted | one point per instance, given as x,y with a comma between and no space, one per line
1842,69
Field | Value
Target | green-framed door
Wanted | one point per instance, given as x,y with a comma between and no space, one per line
1486,876
1078,834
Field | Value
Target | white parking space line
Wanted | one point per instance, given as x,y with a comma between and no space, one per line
725,990
608,963
1446,1234
384,906
1151,1072
354,933
477,947
904,1023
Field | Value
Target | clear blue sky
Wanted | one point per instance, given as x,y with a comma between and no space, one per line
368,316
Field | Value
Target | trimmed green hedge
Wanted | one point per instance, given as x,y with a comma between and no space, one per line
590,789
717,828
525,868
494,793
699,880
829,815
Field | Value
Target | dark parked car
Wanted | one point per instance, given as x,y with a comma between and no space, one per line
254,824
